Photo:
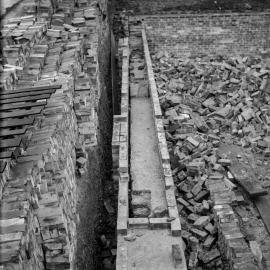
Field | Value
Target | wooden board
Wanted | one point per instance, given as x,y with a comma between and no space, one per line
26,94
10,143
5,155
4,132
24,99
34,88
19,113
242,168
12,106
16,122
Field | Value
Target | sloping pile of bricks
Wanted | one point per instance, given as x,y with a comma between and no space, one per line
212,106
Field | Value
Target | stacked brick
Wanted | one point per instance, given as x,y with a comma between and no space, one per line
232,242
73,51
86,85
38,223
42,8
20,36
57,215
19,239
38,219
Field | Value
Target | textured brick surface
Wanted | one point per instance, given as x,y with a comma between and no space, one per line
208,33
160,6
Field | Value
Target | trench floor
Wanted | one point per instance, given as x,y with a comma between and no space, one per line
152,249
146,171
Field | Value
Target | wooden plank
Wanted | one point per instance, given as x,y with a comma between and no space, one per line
19,113
242,169
26,94
23,159
263,205
10,143
10,132
24,99
34,88
12,106
6,154
17,122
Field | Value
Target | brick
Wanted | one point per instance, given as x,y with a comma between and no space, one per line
175,222
199,233
159,223
138,222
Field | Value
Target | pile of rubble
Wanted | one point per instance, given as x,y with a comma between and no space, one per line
211,107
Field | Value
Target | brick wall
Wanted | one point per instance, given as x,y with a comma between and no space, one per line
209,33
148,7
161,6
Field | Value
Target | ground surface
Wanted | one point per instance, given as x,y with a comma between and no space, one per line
146,171
152,249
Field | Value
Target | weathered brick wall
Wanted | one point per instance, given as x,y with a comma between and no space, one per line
161,6
149,7
209,33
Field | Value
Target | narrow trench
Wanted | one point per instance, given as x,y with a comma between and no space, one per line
98,205
106,237
106,229
145,167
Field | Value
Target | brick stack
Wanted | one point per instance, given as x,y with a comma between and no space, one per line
20,35
86,82
20,239
57,213
43,233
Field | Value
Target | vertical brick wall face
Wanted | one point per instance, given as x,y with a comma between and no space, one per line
150,6
209,33
162,6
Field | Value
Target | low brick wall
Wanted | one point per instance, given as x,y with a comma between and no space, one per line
212,33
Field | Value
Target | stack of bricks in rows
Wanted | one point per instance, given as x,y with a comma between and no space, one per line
38,182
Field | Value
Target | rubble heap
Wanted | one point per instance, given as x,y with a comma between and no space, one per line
211,106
